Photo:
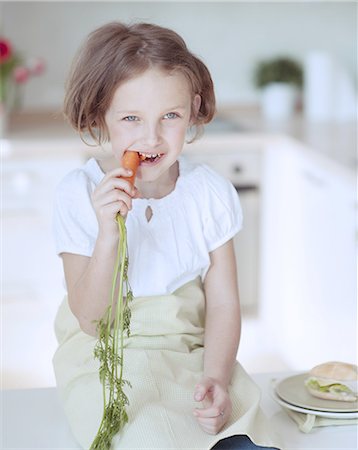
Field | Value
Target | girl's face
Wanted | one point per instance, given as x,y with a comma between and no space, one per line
150,114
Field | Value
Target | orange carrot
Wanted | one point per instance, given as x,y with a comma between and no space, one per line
131,160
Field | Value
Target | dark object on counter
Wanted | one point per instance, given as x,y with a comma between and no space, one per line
278,70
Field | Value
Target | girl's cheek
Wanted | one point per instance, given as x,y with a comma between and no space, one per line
178,135
118,134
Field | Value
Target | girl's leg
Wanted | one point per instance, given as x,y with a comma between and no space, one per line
238,442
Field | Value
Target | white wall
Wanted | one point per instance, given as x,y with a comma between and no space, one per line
229,36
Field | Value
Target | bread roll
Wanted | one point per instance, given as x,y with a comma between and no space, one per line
335,370
333,381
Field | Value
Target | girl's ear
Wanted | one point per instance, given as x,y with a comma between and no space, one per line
195,108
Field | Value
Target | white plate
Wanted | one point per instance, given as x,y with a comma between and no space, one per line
331,415
292,392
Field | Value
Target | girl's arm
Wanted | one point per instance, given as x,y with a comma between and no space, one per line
222,336
89,283
89,279
223,317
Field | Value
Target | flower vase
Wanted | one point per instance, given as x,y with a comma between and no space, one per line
279,101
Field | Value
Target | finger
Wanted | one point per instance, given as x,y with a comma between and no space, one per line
121,208
201,390
111,210
117,173
212,412
116,180
114,196
217,401
137,193
113,191
211,426
119,184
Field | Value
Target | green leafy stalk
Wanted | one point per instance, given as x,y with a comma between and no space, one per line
109,349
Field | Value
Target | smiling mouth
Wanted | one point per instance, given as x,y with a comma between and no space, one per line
150,157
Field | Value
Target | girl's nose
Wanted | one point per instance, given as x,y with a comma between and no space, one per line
151,135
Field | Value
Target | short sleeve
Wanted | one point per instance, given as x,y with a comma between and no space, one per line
223,213
74,220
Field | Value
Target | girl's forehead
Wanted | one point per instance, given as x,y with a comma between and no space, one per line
154,81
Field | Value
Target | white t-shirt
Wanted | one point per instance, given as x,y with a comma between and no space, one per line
198,216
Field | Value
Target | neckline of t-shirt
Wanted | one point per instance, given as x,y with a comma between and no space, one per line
184,170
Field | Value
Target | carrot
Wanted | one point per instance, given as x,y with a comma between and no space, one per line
131,160
110,342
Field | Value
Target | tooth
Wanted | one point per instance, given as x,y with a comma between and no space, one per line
149,155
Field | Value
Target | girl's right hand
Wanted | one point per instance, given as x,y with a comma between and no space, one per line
113,195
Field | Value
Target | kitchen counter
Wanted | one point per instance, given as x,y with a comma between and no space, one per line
335,140
46,134
34,419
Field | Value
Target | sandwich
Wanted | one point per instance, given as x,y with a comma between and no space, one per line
333,381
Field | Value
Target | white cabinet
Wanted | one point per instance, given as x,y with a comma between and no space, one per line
243,169
32,273
27,207
308,257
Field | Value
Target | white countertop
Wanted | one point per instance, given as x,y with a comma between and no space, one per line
332,139
33,419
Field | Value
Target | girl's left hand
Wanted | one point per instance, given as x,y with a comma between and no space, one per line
217,405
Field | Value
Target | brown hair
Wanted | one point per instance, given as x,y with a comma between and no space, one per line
115,53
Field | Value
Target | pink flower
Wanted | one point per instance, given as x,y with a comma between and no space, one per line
21,74
36,66
5,50
15,71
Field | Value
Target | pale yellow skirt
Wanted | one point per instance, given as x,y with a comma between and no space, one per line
163,360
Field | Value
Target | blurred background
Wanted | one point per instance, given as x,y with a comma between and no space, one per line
286,83
231,37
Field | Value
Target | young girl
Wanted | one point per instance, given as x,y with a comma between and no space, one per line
140,88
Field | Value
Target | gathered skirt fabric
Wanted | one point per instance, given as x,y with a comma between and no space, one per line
163,361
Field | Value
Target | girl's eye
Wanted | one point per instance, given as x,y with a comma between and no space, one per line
130,118
171,115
